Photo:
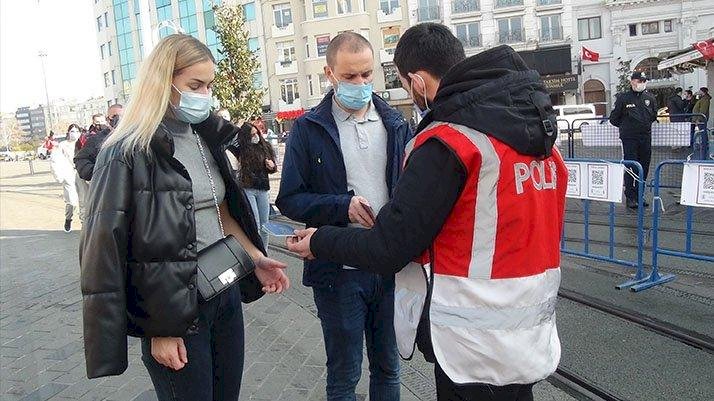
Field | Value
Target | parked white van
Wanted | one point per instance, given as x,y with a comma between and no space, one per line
572,112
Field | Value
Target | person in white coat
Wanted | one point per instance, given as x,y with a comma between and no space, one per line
62,165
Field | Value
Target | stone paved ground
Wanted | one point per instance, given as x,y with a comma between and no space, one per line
41,354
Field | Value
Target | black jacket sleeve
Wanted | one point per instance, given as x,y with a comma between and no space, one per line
425,194
103,254
617,112
85,158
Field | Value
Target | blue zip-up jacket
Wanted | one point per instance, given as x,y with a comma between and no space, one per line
313,188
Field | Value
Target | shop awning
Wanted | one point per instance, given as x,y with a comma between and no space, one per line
686,60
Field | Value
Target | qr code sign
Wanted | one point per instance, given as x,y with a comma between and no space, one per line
709,181
598,177
572,176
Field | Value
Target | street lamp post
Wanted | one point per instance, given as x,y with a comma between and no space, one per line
42,54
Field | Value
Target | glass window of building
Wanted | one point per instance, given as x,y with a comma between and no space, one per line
309,85
428,10
324,83
106,79
253,44
187,17
289,90
163,13
469,34
464,6
99,23
344,6
257,80
286,51
510,30
388,6
283,15
589,28
322,42
249,11
319,8
632,28
109,47
508,3
391,77
102,49
114,78
650,28
550,28
668,25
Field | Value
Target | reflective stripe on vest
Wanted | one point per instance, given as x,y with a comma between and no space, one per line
490,322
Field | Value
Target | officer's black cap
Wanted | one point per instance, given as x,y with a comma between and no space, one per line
639,75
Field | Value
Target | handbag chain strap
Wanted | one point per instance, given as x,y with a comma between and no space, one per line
210,180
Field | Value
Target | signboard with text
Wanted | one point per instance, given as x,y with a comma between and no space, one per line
698,185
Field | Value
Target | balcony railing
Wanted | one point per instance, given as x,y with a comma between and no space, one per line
508,3
551,34
464,6
432,13
506,37
471,42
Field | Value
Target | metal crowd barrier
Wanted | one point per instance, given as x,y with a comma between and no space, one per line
611,257
655,278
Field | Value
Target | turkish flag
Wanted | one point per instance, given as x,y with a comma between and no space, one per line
706,47
586,54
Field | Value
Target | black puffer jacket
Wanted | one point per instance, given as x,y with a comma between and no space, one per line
138,247
85,157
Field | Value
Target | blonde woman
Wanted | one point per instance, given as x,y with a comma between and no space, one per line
151,210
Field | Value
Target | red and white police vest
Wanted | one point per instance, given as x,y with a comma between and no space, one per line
495,266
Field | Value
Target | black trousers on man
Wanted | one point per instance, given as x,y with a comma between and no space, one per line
637,149
447,390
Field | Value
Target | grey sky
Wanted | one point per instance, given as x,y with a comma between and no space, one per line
66,30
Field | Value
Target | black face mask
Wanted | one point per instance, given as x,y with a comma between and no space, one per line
114,121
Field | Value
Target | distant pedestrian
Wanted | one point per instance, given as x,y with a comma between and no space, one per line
676,106
702,107
689,101
85,157
634,112
63,171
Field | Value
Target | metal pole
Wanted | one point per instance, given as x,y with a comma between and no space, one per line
42,56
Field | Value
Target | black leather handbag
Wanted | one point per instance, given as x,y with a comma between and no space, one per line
225,262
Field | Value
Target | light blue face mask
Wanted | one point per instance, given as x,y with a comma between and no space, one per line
353,96
193,108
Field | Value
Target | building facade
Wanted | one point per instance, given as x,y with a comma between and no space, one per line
63,112
32,121
641,32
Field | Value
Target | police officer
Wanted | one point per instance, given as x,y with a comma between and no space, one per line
634,113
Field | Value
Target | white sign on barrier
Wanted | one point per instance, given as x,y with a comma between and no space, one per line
698,185
663,134
595,181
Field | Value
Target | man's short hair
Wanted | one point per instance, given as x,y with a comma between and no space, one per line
347,41
97,115
678,90
705,90
689,92
428,47
116,106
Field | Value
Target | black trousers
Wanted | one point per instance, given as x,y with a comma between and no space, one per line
447,390
639,150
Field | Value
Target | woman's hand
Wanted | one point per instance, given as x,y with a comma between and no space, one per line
169,351
269,164
271,274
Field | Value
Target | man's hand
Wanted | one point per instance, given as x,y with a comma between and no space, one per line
359,214
301,243
269,164
169,351
271,274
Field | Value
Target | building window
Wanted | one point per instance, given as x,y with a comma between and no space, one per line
508,3
324,83
257,80
469,34
322,42
589,28
390,37
510,30
391,77
163,13
187,17
428,10
388,6
464,6
289,90
109,47
648,66
550,28
309,85
114,78
650,28
548,2
283,15
286,52
668,25
106,20
319,8
344,6
106,79
249,11
633,29
102,49
253,44
99,23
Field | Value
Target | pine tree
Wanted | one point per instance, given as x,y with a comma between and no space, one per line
624,73
234,79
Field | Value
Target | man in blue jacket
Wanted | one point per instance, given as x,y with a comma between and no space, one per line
341,164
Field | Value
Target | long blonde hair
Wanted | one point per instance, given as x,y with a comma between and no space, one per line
152,91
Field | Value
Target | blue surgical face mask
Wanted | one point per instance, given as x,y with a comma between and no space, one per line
353,96
193,108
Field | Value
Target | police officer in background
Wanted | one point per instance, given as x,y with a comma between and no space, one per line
634,113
